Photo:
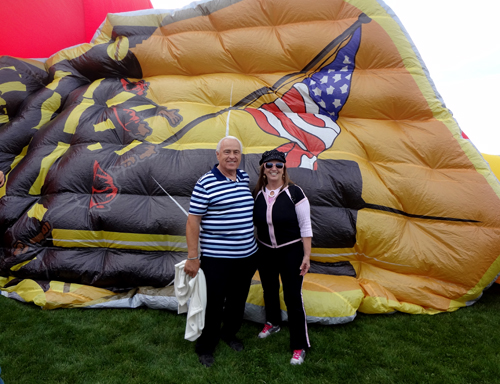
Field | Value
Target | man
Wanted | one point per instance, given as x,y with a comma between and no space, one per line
220,218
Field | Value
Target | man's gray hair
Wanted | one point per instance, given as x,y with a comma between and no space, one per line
228,137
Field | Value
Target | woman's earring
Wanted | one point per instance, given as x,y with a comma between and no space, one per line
264,176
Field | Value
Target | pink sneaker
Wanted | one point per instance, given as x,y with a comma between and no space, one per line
268,330
298,356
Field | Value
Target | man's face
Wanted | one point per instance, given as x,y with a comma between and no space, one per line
229,156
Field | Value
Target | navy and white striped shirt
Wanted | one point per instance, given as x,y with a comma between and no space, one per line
227,210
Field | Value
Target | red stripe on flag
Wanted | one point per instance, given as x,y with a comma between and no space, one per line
262,122
313,143
294,100
312,119
307,117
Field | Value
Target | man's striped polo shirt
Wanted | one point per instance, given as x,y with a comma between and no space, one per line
227,209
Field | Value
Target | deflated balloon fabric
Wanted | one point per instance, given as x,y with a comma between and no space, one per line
103,143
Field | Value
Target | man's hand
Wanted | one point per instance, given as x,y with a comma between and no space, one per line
192,266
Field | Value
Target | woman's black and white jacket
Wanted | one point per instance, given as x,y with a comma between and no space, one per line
285,220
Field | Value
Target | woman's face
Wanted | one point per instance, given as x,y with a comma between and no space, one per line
274,170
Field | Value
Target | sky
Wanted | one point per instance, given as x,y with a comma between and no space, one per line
459,42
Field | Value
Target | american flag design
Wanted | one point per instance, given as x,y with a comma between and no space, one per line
307,113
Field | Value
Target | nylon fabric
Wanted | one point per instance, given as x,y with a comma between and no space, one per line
405,211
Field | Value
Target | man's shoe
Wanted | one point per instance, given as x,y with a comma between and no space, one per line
268,330
235,344
298,356
207,360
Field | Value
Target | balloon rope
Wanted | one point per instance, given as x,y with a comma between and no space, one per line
168,194
182,209
229,113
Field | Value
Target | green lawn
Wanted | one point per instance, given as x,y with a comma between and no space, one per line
147,346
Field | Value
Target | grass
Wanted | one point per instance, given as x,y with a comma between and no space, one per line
147,346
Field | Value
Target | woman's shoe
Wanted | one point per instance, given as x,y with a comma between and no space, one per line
298,356
268,330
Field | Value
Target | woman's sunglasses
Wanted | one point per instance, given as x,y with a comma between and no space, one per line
278,165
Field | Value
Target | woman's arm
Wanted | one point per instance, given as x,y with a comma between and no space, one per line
303,211
306,261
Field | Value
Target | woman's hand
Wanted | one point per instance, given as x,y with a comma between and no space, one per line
306,264
306,261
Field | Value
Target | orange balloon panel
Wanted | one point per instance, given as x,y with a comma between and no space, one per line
405,211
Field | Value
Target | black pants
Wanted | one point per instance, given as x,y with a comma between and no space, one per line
284,262
228,283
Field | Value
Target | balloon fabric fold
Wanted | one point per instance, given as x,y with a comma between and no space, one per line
103,143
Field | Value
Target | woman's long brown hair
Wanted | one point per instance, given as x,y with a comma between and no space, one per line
262,181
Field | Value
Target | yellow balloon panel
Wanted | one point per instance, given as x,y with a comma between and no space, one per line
405,211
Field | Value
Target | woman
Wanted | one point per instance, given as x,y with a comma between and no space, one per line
282,218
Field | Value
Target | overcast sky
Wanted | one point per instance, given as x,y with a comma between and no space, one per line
459,42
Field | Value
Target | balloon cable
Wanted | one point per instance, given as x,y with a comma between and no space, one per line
180,206
229,113
168,194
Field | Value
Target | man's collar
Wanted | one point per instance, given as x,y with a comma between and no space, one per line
220,177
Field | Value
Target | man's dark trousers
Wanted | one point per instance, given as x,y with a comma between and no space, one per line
228,283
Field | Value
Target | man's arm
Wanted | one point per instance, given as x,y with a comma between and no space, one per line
192,237
2,179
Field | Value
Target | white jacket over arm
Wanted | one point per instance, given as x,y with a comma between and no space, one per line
194,290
